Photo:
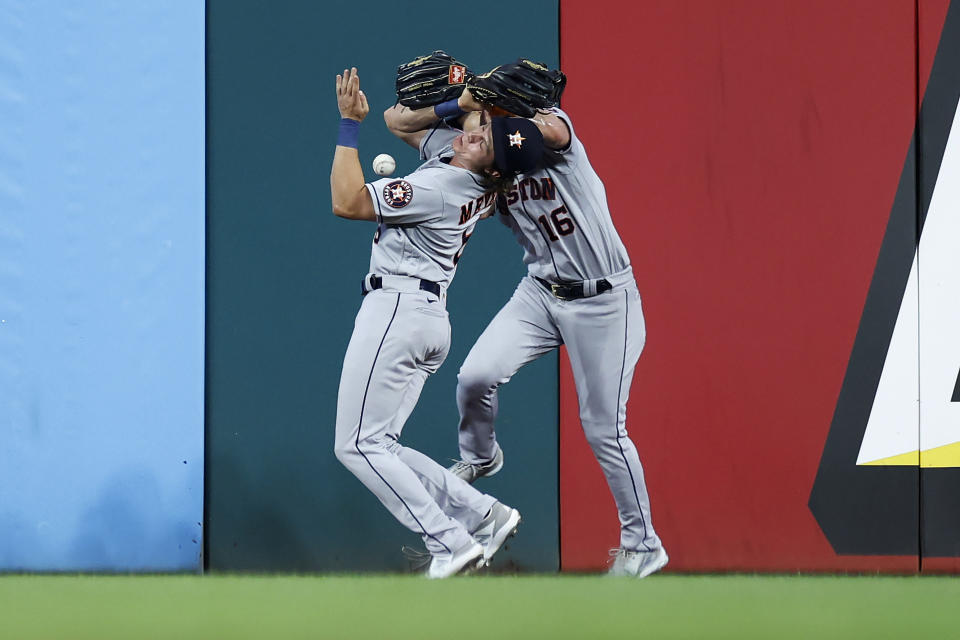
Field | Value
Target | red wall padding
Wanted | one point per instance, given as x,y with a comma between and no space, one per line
751,151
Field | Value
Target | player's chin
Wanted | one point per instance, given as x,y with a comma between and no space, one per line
457,143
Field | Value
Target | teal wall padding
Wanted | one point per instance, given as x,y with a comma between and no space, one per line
284,283
101,285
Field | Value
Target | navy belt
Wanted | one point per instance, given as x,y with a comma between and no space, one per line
573,290
376,282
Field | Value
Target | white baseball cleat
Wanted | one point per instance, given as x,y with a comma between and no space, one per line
495,528
465,559
638,564
469,472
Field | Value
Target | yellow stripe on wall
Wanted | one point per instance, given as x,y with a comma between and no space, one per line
909,459
946,456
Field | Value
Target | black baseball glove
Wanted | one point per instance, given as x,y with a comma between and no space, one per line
520,87
430,80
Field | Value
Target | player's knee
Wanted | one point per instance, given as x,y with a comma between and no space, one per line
350,451
599,436
347,452
343,455
474,381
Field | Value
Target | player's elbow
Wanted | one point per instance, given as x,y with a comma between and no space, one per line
393,118
352,211
348,212
353,205
556,139
344,205
341,211
556,134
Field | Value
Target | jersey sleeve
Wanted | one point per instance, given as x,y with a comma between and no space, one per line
438,140
409,200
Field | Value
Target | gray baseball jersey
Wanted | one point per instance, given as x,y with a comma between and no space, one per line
401,336
560,216
425,219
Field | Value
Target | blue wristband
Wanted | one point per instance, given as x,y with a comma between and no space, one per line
349,132
448,109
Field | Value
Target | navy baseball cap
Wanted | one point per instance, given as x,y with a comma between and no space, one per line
517,144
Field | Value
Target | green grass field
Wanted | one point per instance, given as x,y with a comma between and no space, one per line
488,607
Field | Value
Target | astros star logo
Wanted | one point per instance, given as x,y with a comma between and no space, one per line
398,193
516,140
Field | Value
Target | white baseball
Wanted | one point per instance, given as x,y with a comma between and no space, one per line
384,164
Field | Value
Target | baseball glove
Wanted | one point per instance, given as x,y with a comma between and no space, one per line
520,87
430,80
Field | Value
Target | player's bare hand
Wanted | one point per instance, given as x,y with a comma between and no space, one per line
350,99
467,102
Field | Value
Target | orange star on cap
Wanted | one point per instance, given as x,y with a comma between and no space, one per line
516,140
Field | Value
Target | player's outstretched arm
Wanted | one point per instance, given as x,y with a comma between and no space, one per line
410,125
401,119
556,133
347,187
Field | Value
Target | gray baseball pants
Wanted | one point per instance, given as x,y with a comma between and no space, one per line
604,335
398,340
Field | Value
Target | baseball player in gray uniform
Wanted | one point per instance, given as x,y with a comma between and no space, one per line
402,331
579,291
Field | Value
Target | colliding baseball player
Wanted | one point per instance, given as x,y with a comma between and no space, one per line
579,291
402,331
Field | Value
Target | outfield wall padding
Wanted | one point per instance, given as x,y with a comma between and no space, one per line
763,174
783,176
101,286
284,285
939,289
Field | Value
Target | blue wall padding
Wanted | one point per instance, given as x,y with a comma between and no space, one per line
101,285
